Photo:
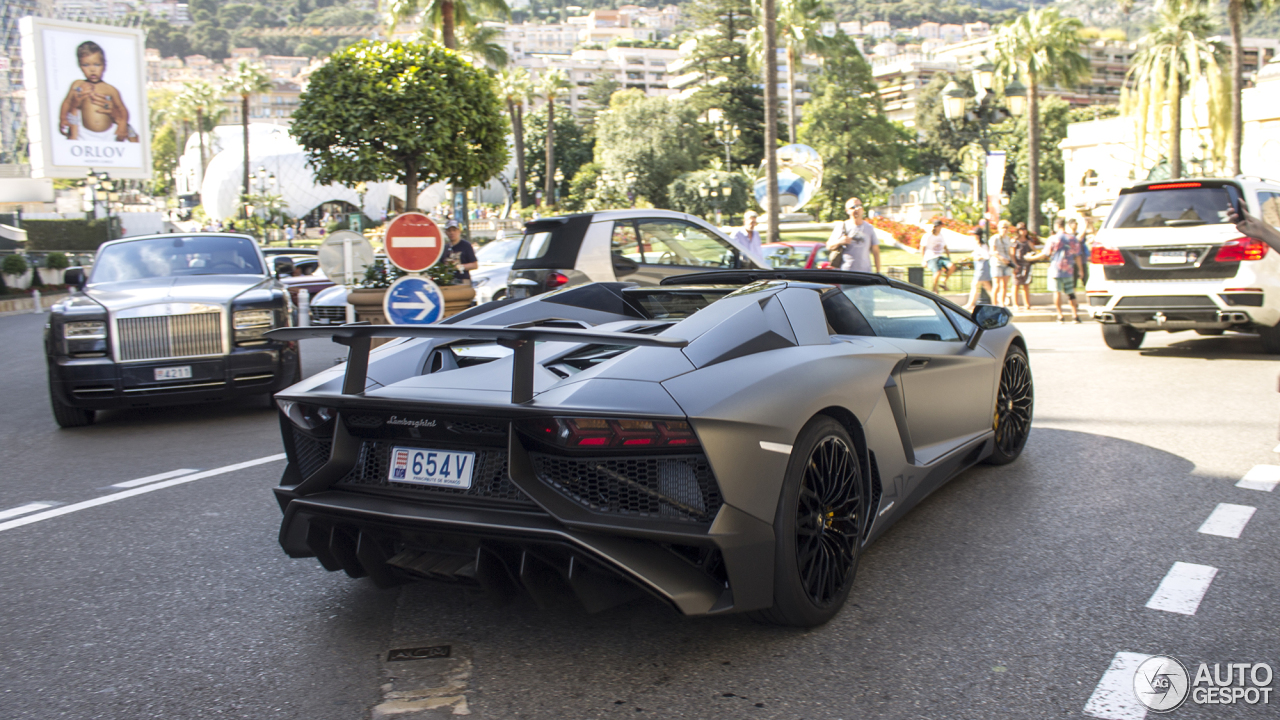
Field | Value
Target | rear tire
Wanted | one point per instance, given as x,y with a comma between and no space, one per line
68,416
818,527
1122,337
1015,402
1209,333
1270,339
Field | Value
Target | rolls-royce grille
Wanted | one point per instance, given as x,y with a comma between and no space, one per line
488,481
671,488
170,336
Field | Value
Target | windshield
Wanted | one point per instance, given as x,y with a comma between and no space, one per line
498,252
177,255
1179,207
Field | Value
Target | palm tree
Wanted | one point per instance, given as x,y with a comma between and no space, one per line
768,13
552,85
446,15
201,103
246,79
515,88
800,23
478,44
1171,59
1044,48
1236,10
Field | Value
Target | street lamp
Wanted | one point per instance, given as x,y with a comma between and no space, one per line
727,134
559,177
717,191
955,105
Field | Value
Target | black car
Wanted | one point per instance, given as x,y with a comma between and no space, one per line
168,320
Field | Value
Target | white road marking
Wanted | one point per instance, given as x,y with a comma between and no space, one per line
1183,588
775,447
1228,520
1113,699
24,509
153,478
1261,477
66,509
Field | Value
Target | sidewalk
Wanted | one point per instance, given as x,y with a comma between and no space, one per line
16,306
1041,308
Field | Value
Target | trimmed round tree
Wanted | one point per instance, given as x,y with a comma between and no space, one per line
407,112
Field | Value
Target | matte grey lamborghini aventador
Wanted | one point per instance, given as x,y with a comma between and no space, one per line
725,442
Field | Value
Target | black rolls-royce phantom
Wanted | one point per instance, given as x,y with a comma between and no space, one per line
167,320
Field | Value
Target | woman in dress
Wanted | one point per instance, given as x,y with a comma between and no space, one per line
1022,247
981,270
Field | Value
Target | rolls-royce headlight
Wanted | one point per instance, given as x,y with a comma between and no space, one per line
85,330
251,324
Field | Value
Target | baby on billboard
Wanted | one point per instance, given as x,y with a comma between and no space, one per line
93,109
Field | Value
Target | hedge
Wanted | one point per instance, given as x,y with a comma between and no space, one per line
76,235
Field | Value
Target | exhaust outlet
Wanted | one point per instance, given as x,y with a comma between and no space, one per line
1106,317
1235,318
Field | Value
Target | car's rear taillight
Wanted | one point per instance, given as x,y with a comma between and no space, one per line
1243,249
555,280
613,432
1100,255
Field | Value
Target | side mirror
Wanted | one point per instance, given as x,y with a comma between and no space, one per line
74,276
990,317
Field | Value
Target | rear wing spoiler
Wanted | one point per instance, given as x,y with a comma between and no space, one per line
358,337
743,277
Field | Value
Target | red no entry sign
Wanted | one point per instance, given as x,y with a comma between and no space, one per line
414,242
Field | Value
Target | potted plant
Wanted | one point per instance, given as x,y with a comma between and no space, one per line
366,297
54,264
15,270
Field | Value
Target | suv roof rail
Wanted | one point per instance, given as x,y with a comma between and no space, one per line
1257,177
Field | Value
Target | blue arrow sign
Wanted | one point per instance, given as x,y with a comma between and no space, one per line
413,300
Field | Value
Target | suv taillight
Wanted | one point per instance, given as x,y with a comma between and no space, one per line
1100,255
555,280
1241,250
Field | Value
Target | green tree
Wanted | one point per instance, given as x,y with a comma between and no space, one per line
799,23
598,94
686,193
844,121
573,149
1236,11
551,85
209,39
654,157
478,43
164,158
406,112
729,85
445,15
1171,58
1043,47
200,103
246,80
515,88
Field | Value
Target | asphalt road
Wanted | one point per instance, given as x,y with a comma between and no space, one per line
1007,594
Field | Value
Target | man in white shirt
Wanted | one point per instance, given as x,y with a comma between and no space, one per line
746,237
856,240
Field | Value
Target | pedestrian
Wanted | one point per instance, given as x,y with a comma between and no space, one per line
855,241
1063,252
1085,238
981,270
937,258
1251,226
461,252
1002,262
288,235
1023,248
747,237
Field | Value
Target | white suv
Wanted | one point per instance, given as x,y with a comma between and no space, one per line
1167,259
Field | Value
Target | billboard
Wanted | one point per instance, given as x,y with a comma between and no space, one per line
86,99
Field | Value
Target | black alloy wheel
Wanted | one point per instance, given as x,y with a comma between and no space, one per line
828,520
819,526
1015,402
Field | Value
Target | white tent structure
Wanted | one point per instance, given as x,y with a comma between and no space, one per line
272,149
